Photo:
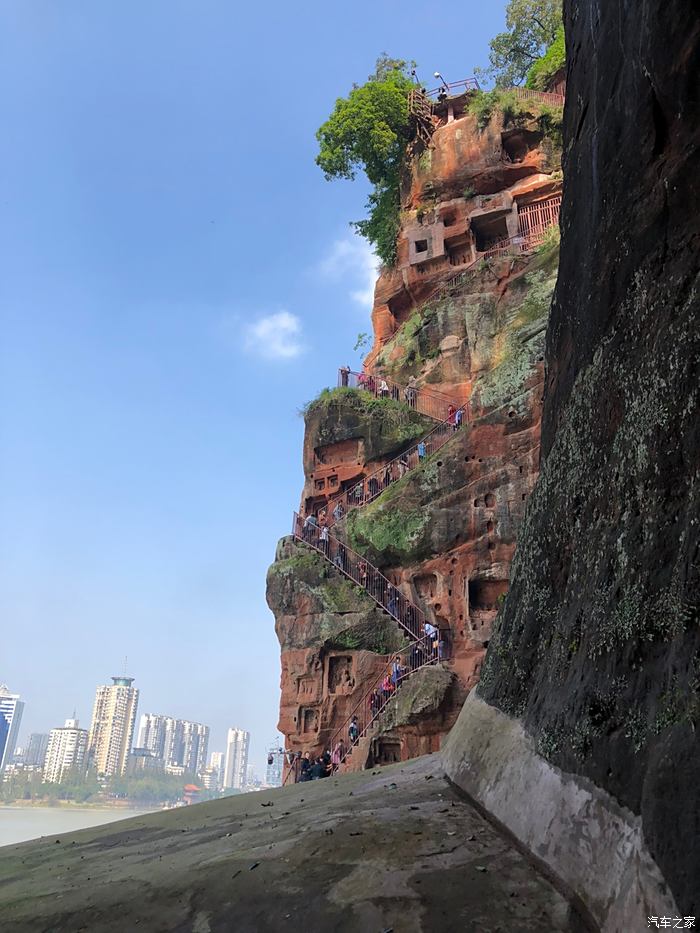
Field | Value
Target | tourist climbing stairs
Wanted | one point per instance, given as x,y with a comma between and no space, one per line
424,646
426,401
373,485
366,714
410,618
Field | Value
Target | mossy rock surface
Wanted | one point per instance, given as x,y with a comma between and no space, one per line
384,425
315,606
420,697
495,338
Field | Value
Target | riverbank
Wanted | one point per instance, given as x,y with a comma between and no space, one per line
50,804
21,824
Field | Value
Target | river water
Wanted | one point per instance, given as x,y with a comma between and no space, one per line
17,824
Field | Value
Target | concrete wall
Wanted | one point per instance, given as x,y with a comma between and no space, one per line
582,834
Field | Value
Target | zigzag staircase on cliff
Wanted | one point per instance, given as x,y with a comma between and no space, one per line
410,618
423,650
373,485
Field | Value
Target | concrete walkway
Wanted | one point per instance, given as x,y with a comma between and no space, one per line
391,850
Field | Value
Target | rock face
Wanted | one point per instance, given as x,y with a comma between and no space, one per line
399,851
445,533
596,657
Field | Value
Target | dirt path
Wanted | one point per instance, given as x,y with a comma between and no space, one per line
394,849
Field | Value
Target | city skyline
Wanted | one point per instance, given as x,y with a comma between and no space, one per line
181,744
43,737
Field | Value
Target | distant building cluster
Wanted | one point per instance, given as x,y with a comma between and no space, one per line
113,747
180,745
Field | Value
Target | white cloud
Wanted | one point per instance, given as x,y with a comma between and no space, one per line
275,336
351,260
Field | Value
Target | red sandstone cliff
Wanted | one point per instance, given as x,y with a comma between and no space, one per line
443,534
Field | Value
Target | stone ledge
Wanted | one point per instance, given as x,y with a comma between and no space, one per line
591,843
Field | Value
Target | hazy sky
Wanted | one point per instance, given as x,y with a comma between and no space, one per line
178,280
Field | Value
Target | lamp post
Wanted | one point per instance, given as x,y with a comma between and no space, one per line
438,75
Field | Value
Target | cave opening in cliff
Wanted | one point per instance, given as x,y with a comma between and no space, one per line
388,751
486,594
489,229
518,143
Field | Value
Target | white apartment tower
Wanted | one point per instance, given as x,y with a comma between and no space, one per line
11,709
66,752
177,742
112,728
236,761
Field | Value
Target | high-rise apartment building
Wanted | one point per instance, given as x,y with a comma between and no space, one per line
11,709
177,742
112,728
66,751
35,752
236,762
216,760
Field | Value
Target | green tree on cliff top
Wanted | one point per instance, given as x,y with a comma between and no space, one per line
533,26
369,130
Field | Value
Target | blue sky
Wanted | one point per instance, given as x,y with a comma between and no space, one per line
178,281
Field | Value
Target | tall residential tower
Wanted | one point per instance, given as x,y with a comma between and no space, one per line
112,728
11,709
236,761
66,752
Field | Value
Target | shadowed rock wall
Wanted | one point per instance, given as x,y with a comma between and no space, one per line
596,654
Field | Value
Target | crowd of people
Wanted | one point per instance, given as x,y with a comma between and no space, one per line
379,387
430,647
302,767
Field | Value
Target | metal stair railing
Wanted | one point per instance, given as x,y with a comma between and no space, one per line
409,617
422,653
433,404
368,489
509,246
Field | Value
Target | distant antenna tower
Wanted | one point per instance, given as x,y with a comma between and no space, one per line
126,660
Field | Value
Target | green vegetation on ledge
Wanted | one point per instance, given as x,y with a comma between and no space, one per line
516,112
384,424
541,73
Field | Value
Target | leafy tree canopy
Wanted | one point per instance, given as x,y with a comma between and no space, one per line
532,28
545,68
368,130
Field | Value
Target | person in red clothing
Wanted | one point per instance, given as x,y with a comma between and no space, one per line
452,416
